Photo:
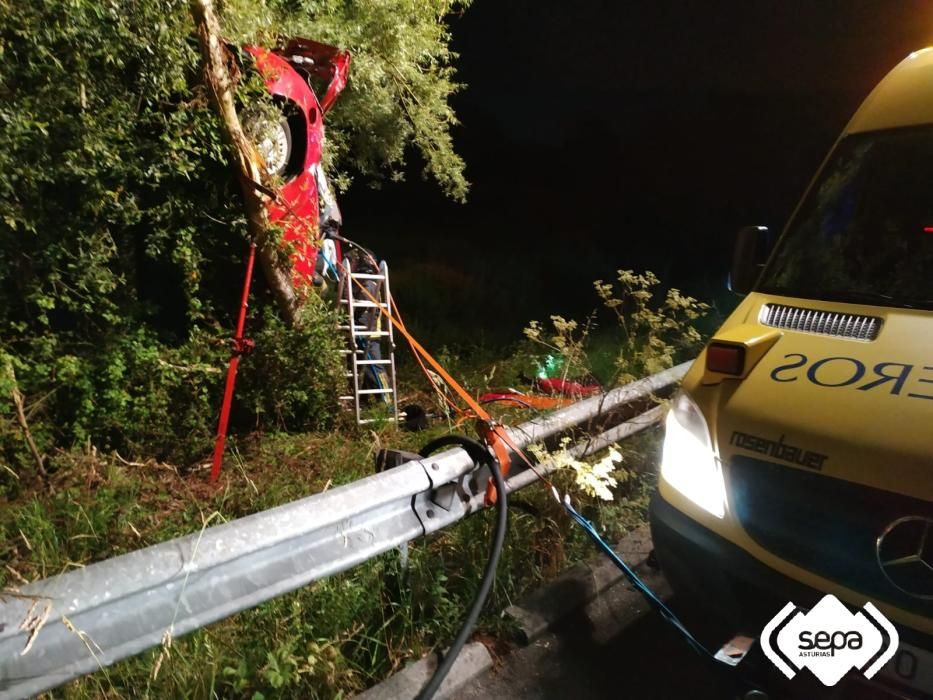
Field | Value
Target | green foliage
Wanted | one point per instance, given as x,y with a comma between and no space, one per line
567,340
650,336
121,228
594,478
136,393
654,335
306,364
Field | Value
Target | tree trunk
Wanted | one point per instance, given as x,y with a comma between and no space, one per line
249,164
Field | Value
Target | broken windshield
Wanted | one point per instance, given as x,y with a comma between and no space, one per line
864,234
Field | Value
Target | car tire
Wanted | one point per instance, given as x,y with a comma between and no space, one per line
273,140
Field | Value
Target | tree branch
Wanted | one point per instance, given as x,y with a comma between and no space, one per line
20,404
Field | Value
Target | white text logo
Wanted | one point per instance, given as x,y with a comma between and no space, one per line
829,640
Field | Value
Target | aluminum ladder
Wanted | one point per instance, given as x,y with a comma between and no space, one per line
370,347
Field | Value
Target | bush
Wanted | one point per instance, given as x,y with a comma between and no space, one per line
292,379
154,399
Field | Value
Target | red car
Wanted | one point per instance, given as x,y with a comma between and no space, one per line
292,146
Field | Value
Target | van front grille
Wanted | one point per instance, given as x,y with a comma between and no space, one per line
827,526
795,318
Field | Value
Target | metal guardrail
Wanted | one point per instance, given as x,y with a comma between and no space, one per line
63,627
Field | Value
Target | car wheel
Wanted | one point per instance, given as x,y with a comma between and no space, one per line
273,139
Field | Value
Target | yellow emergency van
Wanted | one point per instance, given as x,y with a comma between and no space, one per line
798,455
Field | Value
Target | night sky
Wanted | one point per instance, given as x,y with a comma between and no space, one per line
601,135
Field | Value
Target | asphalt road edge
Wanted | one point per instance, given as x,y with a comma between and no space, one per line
579,585
474,660
534,616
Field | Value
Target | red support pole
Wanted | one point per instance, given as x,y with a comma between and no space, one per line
240,346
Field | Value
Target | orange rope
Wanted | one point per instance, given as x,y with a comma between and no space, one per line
491,431
424,370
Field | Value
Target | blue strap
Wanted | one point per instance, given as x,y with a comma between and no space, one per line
330,265
633,578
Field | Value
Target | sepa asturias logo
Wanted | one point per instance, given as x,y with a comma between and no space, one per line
829,640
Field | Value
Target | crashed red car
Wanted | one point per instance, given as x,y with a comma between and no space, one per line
291,147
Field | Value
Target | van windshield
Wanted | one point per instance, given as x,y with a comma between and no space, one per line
864,234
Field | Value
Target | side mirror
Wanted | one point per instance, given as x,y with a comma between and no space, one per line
752,246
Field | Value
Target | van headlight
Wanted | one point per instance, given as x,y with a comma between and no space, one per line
688,462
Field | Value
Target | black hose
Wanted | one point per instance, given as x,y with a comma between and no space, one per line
479,454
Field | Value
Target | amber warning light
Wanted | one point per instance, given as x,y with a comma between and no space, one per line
725,358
